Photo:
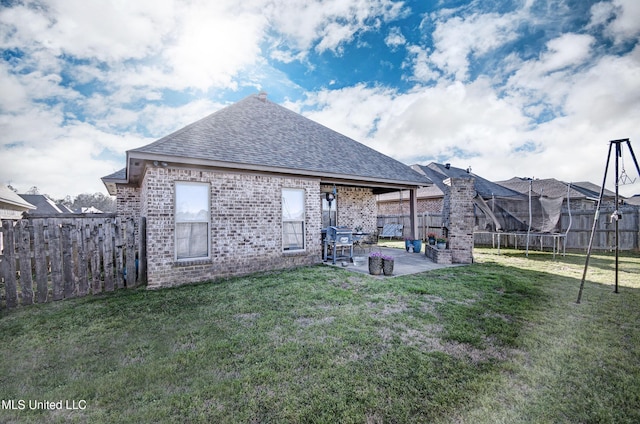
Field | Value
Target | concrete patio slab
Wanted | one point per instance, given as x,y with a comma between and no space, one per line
405,263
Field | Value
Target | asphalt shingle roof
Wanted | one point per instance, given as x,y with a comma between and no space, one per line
256,131
438,172
44,206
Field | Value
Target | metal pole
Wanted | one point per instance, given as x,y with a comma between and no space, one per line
530,218
616,214
595,223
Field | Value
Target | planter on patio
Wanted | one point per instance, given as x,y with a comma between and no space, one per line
375,263
387,265
417,246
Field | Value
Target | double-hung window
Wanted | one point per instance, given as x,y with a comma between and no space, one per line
192,220
293,215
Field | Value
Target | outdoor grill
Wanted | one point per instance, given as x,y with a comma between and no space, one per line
338,238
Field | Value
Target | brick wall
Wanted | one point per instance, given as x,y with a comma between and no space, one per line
356,207
459,218
432,205
128,201
246,225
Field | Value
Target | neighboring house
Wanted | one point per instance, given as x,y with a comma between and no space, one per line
431,199
633,200
44,205
12,206
88,209
245,189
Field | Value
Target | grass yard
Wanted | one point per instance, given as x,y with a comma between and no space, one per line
501,340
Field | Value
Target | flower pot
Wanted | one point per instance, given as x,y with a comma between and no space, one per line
441,246
375,265
407,243
432,241
417,246
387,266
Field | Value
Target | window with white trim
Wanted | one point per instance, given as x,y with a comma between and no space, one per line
293,216
192,220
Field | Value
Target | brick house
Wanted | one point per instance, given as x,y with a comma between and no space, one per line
245,190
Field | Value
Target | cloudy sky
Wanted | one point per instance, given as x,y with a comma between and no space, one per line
528,88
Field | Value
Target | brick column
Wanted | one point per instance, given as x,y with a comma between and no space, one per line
459,219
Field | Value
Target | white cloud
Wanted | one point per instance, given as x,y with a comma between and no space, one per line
626,25
395,38
327,24
457,38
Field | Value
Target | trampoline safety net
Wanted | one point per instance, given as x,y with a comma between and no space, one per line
514,214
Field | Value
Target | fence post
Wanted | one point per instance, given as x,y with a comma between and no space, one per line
40,257
83,274
107,241
67,261
130,260
142,251
24,252
118,248
9,267
96,260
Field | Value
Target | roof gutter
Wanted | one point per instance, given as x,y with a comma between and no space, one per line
160,159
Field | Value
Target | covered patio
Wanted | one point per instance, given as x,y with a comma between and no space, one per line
405,263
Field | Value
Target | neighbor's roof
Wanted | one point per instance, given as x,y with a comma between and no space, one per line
257,134
550,187
438,173
43,205
591,190
8,197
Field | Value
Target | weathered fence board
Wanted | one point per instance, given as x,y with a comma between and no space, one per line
24,255
9,265
40,259
68,256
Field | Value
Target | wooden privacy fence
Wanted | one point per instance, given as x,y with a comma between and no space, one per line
578,237
427,223
58,257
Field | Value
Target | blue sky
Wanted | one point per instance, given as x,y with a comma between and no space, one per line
511,88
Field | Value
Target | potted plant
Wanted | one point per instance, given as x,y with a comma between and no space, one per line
387,265
432,238
375,263
408,243
441,243
417,246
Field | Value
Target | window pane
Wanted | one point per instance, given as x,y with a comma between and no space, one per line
192,240
293,235
293,204
192,202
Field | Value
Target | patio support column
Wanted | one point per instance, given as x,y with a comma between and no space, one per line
413,213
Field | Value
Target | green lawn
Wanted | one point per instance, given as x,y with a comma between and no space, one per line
501,340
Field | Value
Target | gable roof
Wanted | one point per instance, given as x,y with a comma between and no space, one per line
43,205
13,200
257,134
